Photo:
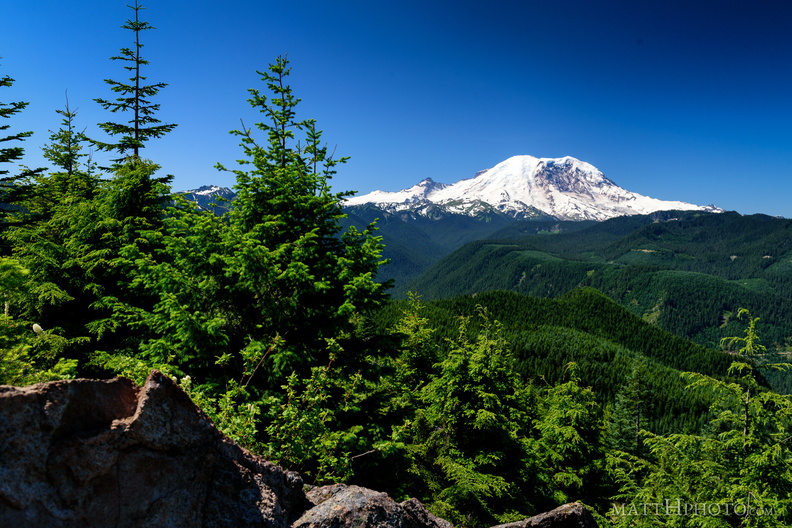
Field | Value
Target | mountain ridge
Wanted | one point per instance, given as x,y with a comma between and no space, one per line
688,272
526,187
211,198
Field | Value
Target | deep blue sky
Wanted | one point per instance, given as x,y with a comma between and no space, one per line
684,100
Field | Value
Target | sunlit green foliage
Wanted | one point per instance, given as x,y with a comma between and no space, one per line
305,433
468,436
568,442
740,465
269,282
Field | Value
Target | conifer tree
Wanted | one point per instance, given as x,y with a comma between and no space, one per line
133,201
78,232
57,229
7,110
740,467
630,413
66,148
468,438
265,289
28,357
133,97
13,188
568,443
294,270
73,177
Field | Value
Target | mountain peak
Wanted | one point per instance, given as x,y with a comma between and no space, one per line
207,190
211,197
526,186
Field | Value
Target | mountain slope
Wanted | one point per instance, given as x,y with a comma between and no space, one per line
414,242
601,337
688,275
526,187
211,198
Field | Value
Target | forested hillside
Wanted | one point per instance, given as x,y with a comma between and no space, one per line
603,339
686,272
414,242
488,407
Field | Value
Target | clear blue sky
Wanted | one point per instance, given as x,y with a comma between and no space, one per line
685,100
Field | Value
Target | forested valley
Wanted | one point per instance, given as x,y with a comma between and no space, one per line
489,405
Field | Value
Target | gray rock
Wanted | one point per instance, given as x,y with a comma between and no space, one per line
110,454
342,506
572,515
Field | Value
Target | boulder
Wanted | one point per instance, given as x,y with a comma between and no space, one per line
572,515
110,454
342,506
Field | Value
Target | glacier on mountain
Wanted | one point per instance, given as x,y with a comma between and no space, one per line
525,187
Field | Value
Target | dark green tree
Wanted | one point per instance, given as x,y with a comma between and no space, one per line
7,110
78,224
13,187
630,413
66,148
39,205
73,177
132,205
54,226
294,273
134,97
739,466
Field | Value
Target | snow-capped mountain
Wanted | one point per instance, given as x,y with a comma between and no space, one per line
526,187
211,197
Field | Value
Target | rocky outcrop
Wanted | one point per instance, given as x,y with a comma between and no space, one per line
572,515
342,506
110,454
107,453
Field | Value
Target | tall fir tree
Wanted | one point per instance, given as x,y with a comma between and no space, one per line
73,176
27,356
134,190
79,224
133,97
630,414
568,444
66,148
294,271
133,201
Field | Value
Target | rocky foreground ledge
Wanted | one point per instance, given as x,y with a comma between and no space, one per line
107,453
